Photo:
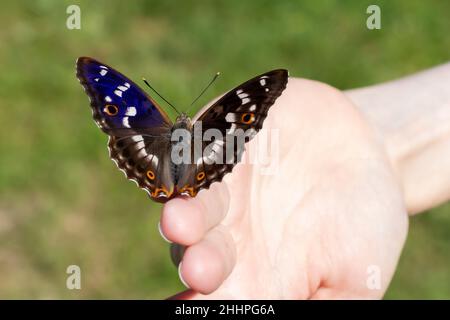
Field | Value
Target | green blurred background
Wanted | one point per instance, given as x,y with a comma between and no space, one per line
63,201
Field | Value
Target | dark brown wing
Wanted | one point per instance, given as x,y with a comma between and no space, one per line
145,160
243,108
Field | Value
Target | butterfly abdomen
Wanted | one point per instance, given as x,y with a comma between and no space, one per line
174,171
180,145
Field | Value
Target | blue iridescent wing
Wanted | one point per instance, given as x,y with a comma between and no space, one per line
139,129
120,107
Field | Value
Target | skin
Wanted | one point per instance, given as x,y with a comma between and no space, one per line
333,215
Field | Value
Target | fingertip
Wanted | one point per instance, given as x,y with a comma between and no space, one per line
186,220
202,269
182,221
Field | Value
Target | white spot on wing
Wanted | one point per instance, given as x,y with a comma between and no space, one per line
230,117
103,67
126,84
131,111
262,81
242,95
252,108
137,138
155,161
245,100
103,72
122,88
96,79
108,99
118,93
125,122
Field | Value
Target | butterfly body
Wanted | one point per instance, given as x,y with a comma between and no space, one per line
171,159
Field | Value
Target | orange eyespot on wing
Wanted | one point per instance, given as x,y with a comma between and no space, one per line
111,110
150,175
247,118
200,176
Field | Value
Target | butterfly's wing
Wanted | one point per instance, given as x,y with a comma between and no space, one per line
119,106
244,107
145,160
139,129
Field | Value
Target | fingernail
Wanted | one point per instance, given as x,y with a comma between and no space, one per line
181,277
162,234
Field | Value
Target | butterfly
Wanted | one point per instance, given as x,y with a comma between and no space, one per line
141,133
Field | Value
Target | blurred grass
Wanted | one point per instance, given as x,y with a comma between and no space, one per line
62,201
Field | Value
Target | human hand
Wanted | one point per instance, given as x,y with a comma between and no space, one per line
313,230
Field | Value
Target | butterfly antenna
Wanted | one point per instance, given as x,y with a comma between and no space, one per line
204,90
148,84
